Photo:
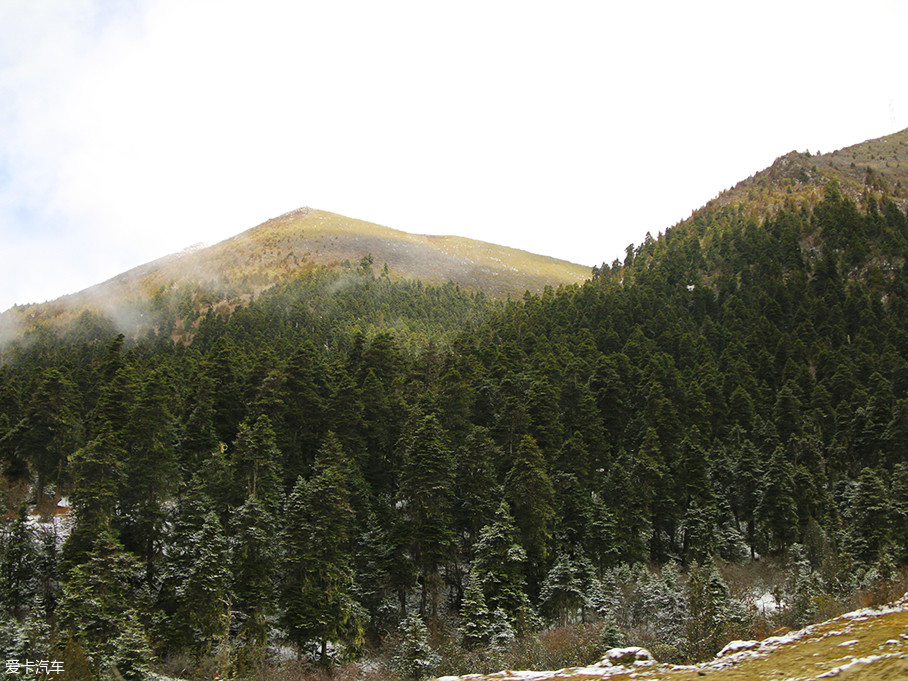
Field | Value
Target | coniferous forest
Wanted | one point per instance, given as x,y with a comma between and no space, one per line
706,441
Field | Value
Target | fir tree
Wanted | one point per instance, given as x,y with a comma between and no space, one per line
256,463
869,533
253,554
425,494
317,567
777,511
414,658
149,472
499,565
529,492
563,592
476,621
17,567
194,597
97,609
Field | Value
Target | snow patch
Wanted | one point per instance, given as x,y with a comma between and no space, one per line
835,671
626,656
737,647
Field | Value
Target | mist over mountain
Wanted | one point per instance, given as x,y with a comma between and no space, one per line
240,268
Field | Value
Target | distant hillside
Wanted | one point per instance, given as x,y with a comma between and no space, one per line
300,240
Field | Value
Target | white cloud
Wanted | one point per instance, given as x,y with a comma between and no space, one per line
569,131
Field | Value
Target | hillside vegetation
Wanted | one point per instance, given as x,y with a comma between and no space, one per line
864,645
704,442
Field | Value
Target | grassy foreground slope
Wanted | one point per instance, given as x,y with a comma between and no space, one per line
865,645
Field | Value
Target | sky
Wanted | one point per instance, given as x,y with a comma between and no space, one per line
131,129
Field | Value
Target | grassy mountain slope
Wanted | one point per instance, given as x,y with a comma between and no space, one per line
304,238
242,266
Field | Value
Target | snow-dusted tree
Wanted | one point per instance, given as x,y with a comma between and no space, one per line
256,463
710,609
870,512
97,610
96,470
374,568
777,512
149,471
195,592
499,563
414,657
528,489
426,498
664,606
803,588
17,567
611,635
900,511
562,593
476,624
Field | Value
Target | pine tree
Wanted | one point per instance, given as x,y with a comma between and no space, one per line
869,533
18,567
476,621
375,570
900,511
563,592
256,464
777,510
664,606
803,589
47,432
97,472
149,471
710,608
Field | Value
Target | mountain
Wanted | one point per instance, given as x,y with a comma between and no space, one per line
705,442
242,266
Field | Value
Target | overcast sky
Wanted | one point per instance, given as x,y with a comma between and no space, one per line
130,130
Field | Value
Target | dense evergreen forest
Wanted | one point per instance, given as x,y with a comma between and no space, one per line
351,467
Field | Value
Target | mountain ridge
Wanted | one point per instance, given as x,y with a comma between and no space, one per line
797,178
